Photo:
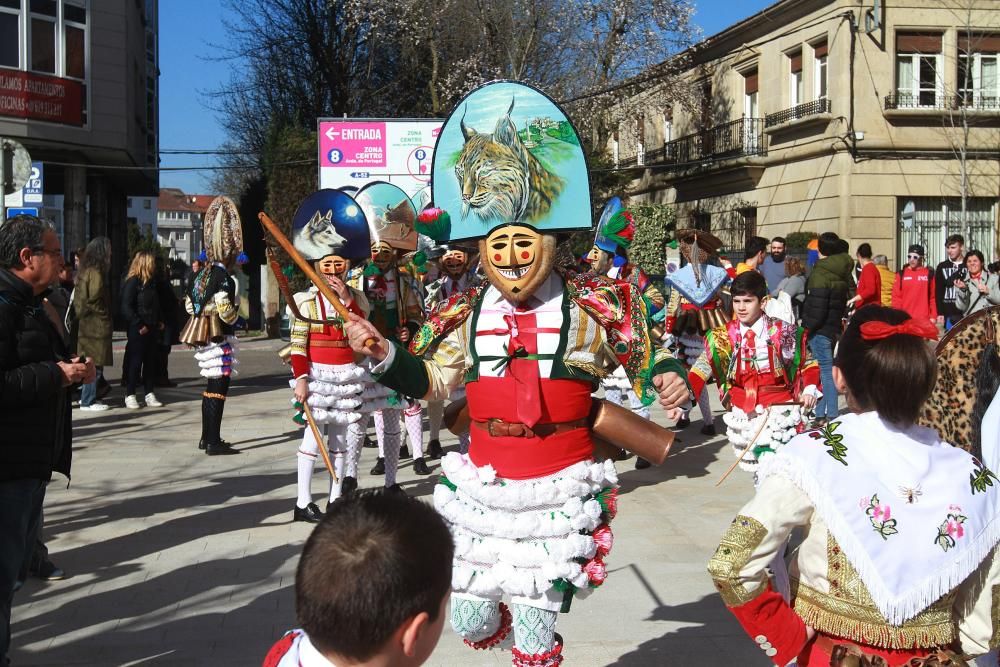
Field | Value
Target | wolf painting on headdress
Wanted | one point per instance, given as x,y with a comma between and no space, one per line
501,181
318,238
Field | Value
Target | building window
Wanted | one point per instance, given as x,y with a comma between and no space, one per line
668,126
919,80
701,220
978,83
796,83
128,202
820,90
182,236
43,35
75,39
10,33
146,204
750,94
935,218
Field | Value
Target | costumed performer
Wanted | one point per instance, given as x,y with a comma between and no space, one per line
609,257
330,229
765,375
528,505
396,301
696,306
897,564
457,273
213,305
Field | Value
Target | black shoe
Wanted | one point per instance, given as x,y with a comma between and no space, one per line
309,513
222,448
683,423
404,452
395,488
379,467
420,466
708,429
48,571
369,443
434,449
641,463
201,444
348,486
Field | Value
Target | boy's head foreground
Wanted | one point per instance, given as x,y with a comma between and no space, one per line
748,290
374,578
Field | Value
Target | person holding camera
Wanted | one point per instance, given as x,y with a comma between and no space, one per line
975,288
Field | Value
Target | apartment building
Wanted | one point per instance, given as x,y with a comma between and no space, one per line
876,119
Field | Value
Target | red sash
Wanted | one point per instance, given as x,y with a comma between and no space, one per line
526,458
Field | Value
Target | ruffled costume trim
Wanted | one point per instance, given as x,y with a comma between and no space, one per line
342,393
218,359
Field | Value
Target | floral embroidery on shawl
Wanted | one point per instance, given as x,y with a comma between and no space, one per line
951,529
445,318
880,516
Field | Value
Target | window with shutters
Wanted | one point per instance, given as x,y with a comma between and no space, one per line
919,81
796,83
820,90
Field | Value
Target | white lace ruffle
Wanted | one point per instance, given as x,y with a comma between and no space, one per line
691,347
781,426
516,537
211,360
342,393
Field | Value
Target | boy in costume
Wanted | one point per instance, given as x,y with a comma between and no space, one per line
213,305
696,306
528,506
457,273
764,372
371,587
330,229
396,301
609,256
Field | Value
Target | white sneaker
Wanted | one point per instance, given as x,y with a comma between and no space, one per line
96,407
151,401
132,403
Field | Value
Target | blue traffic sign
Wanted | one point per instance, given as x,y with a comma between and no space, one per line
359,174
335,155
11,212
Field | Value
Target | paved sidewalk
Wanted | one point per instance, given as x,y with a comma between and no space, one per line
175,558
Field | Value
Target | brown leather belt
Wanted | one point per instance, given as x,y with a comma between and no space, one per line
329,343
498,428
844,653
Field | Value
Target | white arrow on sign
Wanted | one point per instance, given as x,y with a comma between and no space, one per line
330,134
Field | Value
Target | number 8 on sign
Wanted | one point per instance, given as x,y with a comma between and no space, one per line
335,156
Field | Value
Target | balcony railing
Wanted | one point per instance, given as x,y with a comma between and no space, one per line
797,112
969,102
739,138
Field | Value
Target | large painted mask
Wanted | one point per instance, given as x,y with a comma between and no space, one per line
330,223
517,260
454,263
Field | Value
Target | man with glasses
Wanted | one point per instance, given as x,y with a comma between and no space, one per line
944,281
37,374
913,289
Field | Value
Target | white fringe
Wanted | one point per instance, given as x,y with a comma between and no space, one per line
777,432
895,610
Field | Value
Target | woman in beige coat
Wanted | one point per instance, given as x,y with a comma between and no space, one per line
92,306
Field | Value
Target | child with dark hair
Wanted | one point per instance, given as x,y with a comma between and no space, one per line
896,564
763,370
372,585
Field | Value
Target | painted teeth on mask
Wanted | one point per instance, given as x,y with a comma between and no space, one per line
513,274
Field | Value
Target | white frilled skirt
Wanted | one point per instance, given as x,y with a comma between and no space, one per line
690,348
342,393
218,359
527,538
779,426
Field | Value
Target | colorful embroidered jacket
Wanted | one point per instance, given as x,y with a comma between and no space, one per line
947,577
395,297
789,363
600,324
317,342
631,273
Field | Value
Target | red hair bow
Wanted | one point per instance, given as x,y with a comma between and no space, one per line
911,327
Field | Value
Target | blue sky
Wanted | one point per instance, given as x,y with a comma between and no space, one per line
189,27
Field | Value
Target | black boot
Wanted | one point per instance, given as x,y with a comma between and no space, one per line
348,486
683,423
641,463
310,513
395,488
379,468
434,449
404,452
708,429
420,466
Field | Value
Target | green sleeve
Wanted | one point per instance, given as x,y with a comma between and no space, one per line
406,375
670,365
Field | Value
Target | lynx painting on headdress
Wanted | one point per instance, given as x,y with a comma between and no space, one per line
317,238
501,180
396,223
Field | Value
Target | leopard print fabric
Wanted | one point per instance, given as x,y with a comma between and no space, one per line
949,409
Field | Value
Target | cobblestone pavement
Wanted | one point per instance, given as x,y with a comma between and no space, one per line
175,558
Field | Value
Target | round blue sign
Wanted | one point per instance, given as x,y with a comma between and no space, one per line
335,155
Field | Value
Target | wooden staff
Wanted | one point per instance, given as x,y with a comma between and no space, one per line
307,411
752,441
307,269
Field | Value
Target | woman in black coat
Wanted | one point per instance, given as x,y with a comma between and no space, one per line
144,316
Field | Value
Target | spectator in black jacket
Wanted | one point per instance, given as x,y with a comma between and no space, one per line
35,415
827,291
141,309
944,281
170,307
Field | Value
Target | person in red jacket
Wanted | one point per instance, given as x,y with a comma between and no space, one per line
913,289
869,282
